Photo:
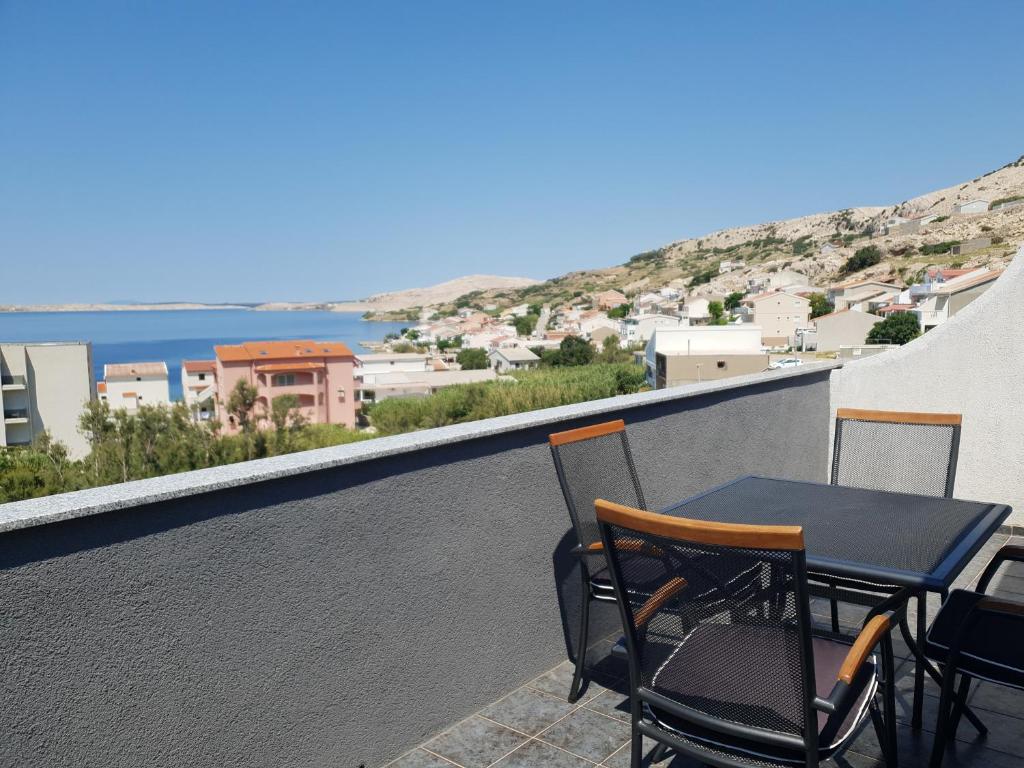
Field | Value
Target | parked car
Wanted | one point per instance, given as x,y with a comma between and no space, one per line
786,362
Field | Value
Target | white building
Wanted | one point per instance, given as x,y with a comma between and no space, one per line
701,353
946,299
780,315
198,387
44,387
418,383
641,327
512,359
132,385
591,321
972,206
729,266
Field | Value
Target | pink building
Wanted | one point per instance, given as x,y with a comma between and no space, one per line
318,372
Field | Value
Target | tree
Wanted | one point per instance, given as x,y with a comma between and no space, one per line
612,351
575,351
865,257
733,300
473,359
287,419
525,324
820,305
619,312
241,403
717,312
895,329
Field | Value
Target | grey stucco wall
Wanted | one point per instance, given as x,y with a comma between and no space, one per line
339,616
971,364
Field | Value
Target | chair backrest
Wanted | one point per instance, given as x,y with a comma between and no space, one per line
592,463
724,640
896,451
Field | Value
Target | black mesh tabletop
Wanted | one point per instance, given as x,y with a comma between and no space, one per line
878,536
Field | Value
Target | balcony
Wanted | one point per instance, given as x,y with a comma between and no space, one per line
352,605
12,383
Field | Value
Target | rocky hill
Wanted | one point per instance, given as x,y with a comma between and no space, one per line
817,247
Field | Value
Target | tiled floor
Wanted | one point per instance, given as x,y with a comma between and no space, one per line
534,726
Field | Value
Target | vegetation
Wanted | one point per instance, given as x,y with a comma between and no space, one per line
620,311
863,258
472,359
612,351
704,277
930,249
820,305
802,245
898,328
717,312
532,390
525,324
733,300
1001,200
158,441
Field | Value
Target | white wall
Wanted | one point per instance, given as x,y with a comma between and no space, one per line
972,364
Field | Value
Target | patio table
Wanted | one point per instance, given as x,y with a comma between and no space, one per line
879,537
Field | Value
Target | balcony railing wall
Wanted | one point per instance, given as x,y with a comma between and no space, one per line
337,607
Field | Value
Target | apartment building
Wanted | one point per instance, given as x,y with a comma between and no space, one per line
199,388
319,373
946,299
129,386
45,386
779,315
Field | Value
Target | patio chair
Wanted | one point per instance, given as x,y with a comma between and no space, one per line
733,676
892,451
977,637
593,462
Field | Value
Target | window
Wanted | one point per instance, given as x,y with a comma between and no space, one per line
202,377
283,380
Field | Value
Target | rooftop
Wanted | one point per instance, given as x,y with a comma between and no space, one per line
199,366
131,370
262,350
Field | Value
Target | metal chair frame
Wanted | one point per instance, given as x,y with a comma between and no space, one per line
590,590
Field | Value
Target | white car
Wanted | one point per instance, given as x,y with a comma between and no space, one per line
786,362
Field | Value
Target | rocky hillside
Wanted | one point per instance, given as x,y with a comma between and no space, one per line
816,246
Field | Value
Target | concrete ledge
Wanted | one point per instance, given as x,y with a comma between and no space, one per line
94,501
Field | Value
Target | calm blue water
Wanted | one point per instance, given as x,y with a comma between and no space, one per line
173,336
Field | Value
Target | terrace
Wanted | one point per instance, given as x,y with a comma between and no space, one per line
345,606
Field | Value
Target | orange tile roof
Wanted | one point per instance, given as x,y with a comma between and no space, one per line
199,366
306,365
894,308
276,350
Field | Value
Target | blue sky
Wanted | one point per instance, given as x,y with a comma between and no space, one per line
254,150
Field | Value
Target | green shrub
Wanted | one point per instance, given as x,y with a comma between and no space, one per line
930,249
865,257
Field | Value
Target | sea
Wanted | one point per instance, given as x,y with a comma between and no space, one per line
175,335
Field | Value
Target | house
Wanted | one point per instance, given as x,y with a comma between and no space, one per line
44,387
685,355
512,359
199,388
847,295
844,327
827,249
729,266
947,299
609,299
695,310
371,368
893,309
779,315
419,383
972,206
640,328
600,334
593,320
129,386
522,310
319,373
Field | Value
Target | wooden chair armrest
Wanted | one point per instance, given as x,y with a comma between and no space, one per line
866,640
628,545
996,605
664,593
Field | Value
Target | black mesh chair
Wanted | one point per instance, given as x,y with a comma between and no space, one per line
729,672
593,462
977,637
892,451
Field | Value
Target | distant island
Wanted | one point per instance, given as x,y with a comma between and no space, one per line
381,302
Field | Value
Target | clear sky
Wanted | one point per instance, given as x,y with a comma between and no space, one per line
244,151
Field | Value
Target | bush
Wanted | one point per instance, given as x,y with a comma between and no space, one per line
865,257
895,329
526,324
620,311
473,359
701,278
946,246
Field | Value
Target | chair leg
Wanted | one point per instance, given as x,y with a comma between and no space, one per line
636,755
659,753
889,746
959,705
833,602
922,629
945,713
581,644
